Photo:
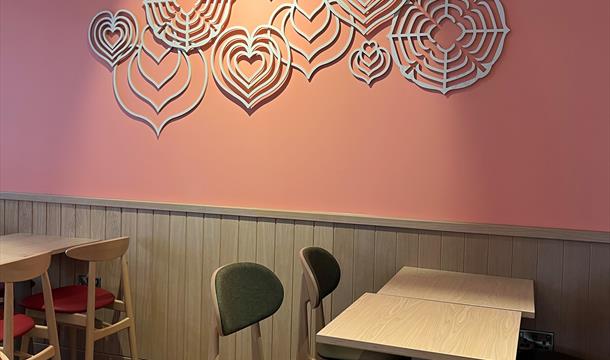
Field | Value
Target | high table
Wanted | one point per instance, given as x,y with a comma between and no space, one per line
14,247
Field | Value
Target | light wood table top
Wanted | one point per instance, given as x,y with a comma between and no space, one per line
461,288
14,247
424,329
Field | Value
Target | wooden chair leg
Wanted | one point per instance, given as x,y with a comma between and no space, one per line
90,322
257,342
303,345
8,344
25,345
50,315
133,347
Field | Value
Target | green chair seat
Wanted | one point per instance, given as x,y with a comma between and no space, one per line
331,352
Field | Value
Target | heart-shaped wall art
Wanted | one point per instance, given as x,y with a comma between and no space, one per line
365,15
265,51
317,37
370,62
113,37
187,29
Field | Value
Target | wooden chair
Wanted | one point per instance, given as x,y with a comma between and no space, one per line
76,305
19,325
243,294
321,276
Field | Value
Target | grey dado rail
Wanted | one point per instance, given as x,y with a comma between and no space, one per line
175,248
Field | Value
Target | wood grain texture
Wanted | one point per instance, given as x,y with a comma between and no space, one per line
430,250
303,237
343,246
519,257
176,303
11,216
25,216
282,319
159,284
424,329
452,251
265,255
475,253
323,236
229,242
385,256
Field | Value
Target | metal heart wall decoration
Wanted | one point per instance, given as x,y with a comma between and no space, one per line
321,45
365,15
187,29
140,82
445,45
266,45
123,25
369,62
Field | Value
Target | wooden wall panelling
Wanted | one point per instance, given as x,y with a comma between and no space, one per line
303,237
574,330
98,231
265,255
364,261
475,253
129,228
176,291
500,255
282,320
246,253
429,250
211,261
194,284
524,266
343,246
548,284
25,216
54,228
407,248
39,226
110,272
385,256
159,282
11,216
143,286
598,304
68,228
452,251
2,217
229,242
323,235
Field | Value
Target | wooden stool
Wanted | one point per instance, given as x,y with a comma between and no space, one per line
12,325
76,305
243,295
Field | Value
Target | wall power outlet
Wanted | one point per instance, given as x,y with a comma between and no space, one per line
536,340
84,280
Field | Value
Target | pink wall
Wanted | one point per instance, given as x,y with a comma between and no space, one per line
529,145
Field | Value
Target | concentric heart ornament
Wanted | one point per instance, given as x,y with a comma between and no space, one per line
251,67
113,37
365,15
369,62
317,37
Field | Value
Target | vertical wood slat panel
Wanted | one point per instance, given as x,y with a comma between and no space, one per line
211,260
2,217
429,250
500,255
475,253
599,303
265,255
98,231
303,237
143,286
39,226
54,228
323,236
452,251
176,285
407,248
129,228
364,261
194,285
11,216
282,320
110,272
385,257
524,266
246,253
25,216
343,245
68,228
548,284
159,282
574,329
229,242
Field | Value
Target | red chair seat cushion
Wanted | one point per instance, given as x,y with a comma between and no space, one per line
70,299
21,325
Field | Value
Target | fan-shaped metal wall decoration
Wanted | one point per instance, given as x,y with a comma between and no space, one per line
440,45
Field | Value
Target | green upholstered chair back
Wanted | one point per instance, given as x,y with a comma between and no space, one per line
322,273
244,294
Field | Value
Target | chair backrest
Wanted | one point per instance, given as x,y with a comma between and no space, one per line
25,269
244,294
104,250
321,272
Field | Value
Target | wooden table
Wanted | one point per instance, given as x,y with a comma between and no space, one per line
18,246
461,288
424,329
